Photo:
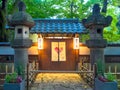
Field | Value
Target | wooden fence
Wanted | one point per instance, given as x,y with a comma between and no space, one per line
8,68
85,71
31,75
5,68
114,70
89,77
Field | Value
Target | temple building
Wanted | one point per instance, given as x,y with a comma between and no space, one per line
56,43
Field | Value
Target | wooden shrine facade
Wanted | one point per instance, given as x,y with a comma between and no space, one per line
56,43
59,31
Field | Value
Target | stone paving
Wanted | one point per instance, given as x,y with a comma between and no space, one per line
59,81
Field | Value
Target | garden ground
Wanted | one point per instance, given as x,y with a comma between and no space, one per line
59,81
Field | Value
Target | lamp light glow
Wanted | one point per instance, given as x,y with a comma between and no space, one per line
40,43
76,43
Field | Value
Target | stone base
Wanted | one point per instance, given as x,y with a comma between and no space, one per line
99,85
14,86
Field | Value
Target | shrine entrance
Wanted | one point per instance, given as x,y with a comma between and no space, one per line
58,43
58,54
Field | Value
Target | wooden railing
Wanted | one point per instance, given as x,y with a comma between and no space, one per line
32,66
88,76
5,68
114,70
84,70
31,75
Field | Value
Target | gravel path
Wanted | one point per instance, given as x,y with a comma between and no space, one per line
59,81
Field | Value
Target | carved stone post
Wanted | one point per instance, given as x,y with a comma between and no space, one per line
22,22
95,24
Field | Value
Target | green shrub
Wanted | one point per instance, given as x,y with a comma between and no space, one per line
13,78
100,67
110,77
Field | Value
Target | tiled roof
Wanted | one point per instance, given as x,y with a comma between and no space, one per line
45,26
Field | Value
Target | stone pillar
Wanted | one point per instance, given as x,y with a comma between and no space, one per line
95,24
96,49
21,61
22,22
21,54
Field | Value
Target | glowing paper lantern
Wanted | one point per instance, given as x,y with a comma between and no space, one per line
76,43
40,43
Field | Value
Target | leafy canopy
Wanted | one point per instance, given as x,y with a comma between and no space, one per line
71,9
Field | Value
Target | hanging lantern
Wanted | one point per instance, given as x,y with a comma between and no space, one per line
76,43
40,43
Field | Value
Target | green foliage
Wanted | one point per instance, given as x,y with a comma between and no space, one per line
111,36
110,77
0,3
100,67
55,8
70,9
84,37
11,78
115,2
111,33
20,71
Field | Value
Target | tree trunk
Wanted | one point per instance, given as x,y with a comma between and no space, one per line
104,9
3,32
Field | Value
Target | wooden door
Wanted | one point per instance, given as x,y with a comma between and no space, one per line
45,56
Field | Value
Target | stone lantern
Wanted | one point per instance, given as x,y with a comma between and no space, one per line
95,24
22,22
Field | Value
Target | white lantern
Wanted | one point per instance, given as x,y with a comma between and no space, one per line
40,43
76,43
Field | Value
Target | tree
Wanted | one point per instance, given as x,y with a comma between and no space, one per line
3,32
112,29
68,9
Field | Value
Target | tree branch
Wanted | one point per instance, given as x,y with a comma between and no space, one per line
104,9
4,4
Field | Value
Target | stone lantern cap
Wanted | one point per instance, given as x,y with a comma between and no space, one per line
21,17
96,18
